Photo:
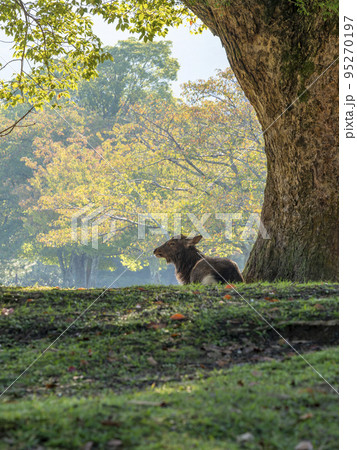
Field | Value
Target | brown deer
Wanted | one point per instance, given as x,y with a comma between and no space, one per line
193,267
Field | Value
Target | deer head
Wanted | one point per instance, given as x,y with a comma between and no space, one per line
177,247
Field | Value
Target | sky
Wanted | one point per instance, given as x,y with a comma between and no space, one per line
199,56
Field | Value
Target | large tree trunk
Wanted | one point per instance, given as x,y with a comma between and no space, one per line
276,52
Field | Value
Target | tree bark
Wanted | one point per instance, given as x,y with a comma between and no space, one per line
277,52
65,269
84,269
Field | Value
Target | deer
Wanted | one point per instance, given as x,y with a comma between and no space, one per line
192,266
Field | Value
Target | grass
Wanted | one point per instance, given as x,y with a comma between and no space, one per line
127,371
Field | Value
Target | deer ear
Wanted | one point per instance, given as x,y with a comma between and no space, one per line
195,240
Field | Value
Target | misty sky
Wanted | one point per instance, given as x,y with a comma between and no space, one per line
198,55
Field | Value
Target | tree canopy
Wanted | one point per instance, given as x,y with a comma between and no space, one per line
135,71
54,46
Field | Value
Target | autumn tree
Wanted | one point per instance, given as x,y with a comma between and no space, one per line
283,54
168,159
134,70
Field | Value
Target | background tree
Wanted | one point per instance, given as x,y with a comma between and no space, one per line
13,191
136,70
166,157
34,151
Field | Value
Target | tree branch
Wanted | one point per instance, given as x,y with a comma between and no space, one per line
11,128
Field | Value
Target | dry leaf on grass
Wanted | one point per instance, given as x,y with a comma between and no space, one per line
152,361
245,437
115,443
304,445
306,416
178,316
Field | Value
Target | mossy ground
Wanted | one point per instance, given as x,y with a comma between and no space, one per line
125,370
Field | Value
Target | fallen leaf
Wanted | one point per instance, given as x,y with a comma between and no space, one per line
178,316
153,326
110,423
245,437
222,363
319,306
306,416
309,390
304,445
115,443
172,350
152,361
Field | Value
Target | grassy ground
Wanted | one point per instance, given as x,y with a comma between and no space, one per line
131,374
